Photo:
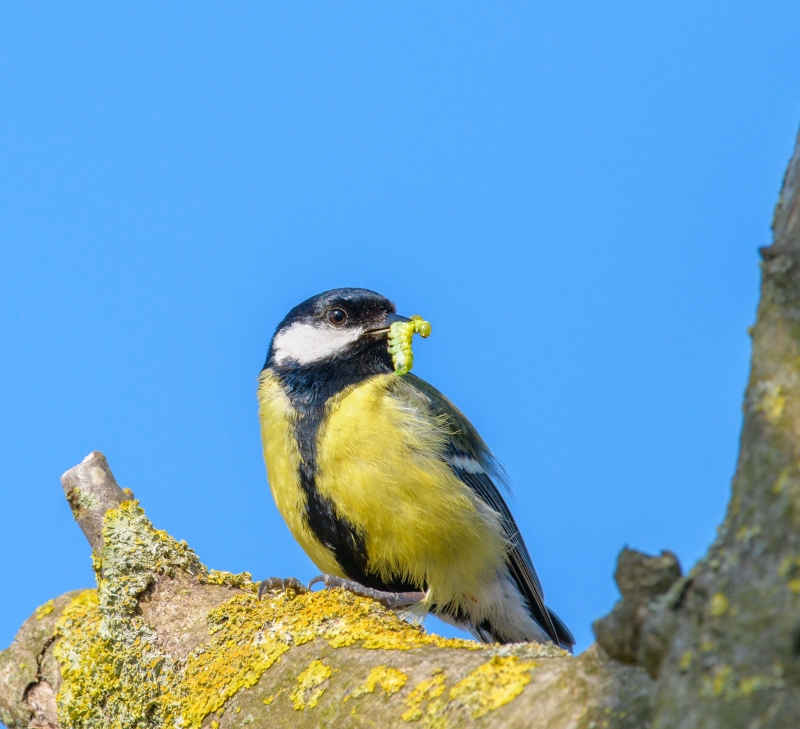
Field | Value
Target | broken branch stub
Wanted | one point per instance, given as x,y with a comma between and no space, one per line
91,491
641,580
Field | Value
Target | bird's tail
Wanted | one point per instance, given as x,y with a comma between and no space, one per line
565,638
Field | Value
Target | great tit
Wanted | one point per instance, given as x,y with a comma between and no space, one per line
384,482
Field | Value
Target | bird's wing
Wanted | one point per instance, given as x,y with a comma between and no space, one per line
471,460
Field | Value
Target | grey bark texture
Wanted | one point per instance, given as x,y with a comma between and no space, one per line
163,641
732,632
723,643
92,490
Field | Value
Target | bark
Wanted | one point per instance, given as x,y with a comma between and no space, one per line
723,643
166,642
91,491
732,634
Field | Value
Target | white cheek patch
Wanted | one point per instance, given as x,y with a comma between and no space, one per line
306,343
465,463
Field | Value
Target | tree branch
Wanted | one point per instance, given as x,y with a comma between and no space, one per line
91,491
164,641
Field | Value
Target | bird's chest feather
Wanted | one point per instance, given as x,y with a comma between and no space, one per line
282,458
380,462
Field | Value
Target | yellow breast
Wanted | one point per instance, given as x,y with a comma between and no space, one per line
282,459
379,463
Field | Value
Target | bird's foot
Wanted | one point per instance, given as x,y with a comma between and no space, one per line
279,584
391,600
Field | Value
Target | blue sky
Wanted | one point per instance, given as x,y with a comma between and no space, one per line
572,193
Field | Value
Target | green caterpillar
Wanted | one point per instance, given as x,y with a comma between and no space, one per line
400,335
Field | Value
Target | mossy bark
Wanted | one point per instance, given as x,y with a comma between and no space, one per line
165,642
733,656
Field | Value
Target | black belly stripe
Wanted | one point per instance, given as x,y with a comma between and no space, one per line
309,388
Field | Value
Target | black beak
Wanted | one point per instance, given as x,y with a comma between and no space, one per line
387,322
392,318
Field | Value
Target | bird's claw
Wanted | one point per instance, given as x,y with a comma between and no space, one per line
391,600
280,584
331,581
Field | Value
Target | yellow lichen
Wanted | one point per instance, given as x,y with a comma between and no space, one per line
787,564
744,532
492,684
718,605
389,679
307,692
790,570
248,635
82,499
234,659
720,680
773,402
426,690
44,610
783,479
86,664
686,661
108,679
115,675
751,684
486,688
241,581
721,684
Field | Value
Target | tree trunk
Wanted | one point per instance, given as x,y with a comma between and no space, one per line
165,642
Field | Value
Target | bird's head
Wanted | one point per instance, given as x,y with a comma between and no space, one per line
346,326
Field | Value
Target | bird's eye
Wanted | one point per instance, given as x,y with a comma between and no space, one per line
337,317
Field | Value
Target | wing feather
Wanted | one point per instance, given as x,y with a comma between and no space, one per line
471,460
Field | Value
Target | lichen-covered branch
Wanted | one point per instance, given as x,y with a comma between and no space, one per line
91,491
165,642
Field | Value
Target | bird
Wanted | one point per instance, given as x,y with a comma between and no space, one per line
385,483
